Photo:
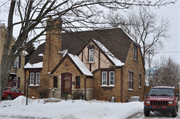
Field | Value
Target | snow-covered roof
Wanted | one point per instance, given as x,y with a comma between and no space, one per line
36,65
25,53
64,52
41,55
115,60
74,58
80,64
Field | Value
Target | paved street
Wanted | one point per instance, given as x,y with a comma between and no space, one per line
155,115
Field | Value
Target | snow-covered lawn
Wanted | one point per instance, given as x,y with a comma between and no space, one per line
70,109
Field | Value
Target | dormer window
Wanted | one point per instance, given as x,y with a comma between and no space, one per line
91,55
135,53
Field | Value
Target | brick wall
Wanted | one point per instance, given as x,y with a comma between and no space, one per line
136,67
105,93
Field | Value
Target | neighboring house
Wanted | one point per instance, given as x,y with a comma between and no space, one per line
17,71
104,63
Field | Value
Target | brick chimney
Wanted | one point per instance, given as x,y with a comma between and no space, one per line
53,45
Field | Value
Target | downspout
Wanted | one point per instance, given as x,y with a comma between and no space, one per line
121,83
85,88
24,81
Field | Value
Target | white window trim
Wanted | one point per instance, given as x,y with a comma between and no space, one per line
39,78
91,52
102,78
31,79
110,78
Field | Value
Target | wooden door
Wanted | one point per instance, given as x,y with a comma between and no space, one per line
66,83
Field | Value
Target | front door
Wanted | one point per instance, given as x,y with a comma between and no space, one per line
66,83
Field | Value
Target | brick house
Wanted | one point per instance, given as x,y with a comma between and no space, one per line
17,71
104,63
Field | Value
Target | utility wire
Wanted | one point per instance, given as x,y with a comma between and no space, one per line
170,52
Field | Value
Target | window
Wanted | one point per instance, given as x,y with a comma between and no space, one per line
31,78
55,82
17,62
130,81
108,78
139,80
135,54
104,78
78,82
35,78
111,78
91,55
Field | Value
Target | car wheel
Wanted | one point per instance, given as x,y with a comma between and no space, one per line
177,108
174,113
146,113
9,97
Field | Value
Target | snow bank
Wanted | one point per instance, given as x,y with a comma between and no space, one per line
70,109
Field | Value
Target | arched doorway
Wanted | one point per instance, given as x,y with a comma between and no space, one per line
66,83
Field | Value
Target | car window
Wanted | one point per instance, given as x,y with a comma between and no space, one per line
12,90
161,92
6,89
17,90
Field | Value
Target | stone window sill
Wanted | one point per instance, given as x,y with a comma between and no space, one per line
34,85
90,62
108,86
135,60
130,90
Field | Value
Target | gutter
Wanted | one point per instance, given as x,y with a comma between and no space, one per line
85,88
25,81
121,82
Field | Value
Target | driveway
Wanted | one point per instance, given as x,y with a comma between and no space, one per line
155,115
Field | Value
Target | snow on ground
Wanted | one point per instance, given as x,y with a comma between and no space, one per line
70,109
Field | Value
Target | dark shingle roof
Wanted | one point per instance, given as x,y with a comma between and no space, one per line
115,40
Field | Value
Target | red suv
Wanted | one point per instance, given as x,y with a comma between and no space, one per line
11,93
161,98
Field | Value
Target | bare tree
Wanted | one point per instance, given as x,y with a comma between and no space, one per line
144,27
167,73
75,14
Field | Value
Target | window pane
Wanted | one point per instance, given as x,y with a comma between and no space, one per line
140,80
37,78
104,78
32,78
91,55
130,80
16,63
111,78
135,52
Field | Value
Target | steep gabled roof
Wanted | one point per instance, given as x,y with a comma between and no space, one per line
115,40
106,52
77,62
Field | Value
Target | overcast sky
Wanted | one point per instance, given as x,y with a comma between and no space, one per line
172,46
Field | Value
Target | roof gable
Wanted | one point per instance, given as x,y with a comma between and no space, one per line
77,62
108,54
